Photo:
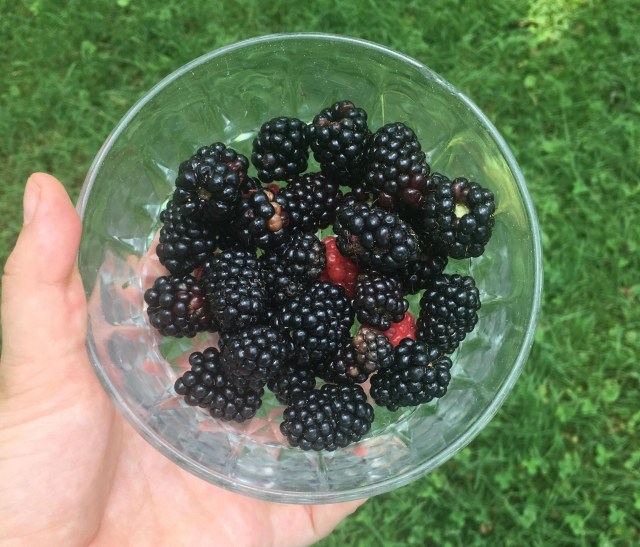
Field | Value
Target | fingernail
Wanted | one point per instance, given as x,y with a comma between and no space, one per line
30,201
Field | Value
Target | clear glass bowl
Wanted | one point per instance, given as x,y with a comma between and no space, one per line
225,96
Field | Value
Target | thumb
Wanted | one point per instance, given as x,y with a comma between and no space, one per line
43,302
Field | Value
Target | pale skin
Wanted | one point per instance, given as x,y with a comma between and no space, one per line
72,471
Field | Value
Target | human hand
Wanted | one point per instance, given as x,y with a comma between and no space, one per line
72,471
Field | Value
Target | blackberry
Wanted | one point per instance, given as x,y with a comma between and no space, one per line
308,422
396,167
373,237
338,136
474,211
232,264
374,351
184,244
352,413
378,300
233,403
310,201
419,272
205,385
236,303
448,311
292,266
255,355
280,150
318,321
343,368
367,352
208,184
327,418
177,306
235,289
198,384
420,373
458,217
261,221
291,382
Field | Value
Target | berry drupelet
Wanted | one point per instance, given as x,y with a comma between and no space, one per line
420,373
448,311
338,137
280,149
177,306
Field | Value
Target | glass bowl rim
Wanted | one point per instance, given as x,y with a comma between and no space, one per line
478,424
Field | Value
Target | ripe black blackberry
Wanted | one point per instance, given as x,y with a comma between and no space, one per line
177,306
291,382
373,237
396,167
373,349
280,149
310,201
352,413
458,217
198,384
255,355
183,244
338,137
318,320
205,385
343,368
474,211
378,300
420,373
235,289
236,303
232,264
327,418
233,403
209,183
308,422
448,311
419,272
288,269
260,220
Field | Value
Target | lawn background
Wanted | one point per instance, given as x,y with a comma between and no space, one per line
559,465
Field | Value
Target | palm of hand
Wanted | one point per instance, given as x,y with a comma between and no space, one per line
73,472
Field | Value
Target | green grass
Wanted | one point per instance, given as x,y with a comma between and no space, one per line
559,465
